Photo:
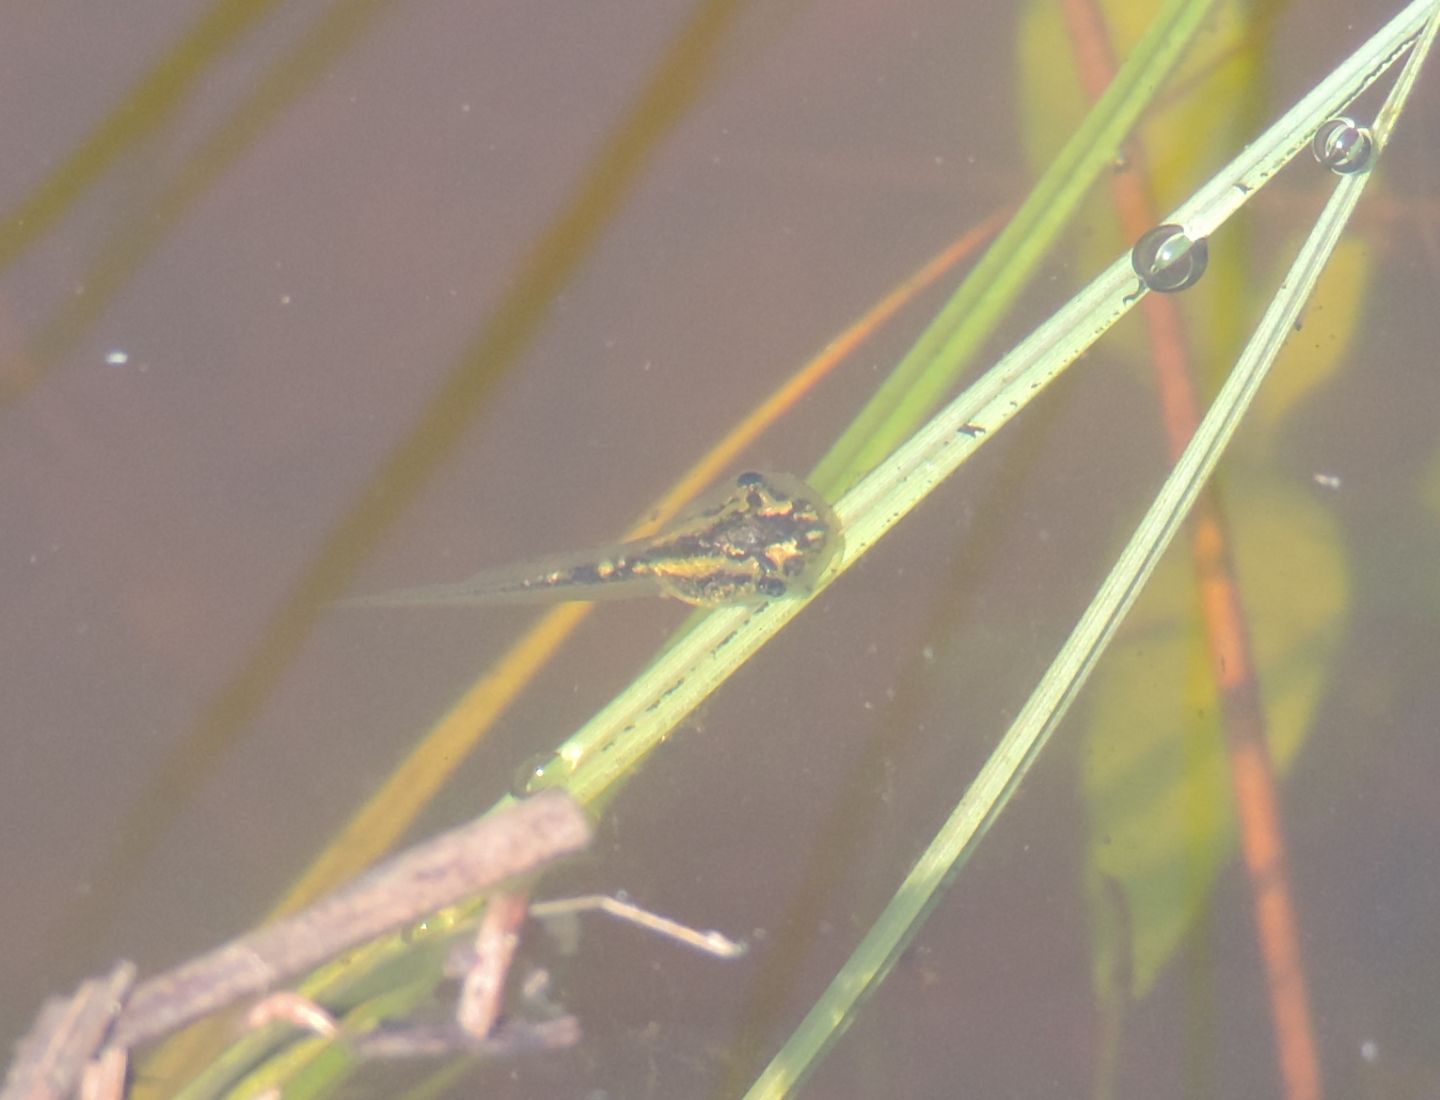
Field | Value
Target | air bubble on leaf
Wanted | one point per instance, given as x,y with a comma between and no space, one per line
1167,260
1343,146
544,769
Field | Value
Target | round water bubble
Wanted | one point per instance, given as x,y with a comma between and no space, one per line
1167,260
544,769
1343,146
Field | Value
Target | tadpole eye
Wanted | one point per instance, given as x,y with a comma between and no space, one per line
749,478
771,587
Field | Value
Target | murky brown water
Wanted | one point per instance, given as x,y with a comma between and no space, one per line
216,343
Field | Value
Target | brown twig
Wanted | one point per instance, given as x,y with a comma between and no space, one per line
438,873
105,1017
511,1037
51,1058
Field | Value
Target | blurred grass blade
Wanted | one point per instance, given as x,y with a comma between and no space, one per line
148,105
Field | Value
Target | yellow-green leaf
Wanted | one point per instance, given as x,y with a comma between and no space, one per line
1156,780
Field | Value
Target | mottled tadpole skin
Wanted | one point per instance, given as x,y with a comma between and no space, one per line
760,536
769,536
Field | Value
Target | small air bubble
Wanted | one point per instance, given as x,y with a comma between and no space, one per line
1343,146
1167,260
117,358
544,769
